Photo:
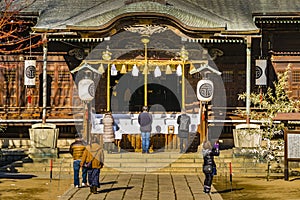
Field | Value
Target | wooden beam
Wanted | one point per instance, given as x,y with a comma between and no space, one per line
287,117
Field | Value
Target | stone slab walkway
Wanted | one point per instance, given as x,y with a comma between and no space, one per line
121,186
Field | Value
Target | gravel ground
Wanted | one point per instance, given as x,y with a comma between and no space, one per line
26,186
258,188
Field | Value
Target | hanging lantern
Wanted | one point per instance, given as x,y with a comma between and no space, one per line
113,70
123,69
30,71
86,89
101,69
168,70
135,70
205,90
179,70
145,70
157,72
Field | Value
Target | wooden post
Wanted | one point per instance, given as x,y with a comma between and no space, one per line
88,130
85,131
183,86
248,78
202,125
286,164
206,121
45,50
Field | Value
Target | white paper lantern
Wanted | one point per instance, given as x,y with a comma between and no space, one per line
179,70
113,70
157,72
86,89
205,90
135,70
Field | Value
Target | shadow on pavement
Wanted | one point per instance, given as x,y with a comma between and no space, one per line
15,175
113,189
229,190
110,182
295,179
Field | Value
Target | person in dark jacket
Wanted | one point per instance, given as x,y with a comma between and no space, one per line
183,122
76,149
209,165
145,122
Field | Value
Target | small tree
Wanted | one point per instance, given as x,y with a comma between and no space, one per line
266,107
269,104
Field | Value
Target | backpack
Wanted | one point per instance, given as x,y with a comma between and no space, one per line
184,123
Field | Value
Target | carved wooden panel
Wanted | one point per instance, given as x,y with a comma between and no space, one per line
18,101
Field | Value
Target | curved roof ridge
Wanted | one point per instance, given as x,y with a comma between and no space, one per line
236,15
190,19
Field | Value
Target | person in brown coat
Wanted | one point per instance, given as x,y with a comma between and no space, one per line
94,154
108,132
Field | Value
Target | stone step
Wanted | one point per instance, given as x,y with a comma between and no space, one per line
163,162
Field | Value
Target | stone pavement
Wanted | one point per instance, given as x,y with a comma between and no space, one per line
123,186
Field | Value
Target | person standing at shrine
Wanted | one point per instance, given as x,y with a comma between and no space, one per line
108,132
183,122
145,122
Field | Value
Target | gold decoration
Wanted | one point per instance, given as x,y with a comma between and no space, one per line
101,69
123,69
168,70
192,68
146,70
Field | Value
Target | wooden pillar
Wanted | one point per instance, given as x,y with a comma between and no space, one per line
108,88
202,129
145,40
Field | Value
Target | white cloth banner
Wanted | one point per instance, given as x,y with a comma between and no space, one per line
260,72
29,72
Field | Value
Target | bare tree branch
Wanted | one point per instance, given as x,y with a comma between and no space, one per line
15,32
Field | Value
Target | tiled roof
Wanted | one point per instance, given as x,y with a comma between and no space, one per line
235,15
202,19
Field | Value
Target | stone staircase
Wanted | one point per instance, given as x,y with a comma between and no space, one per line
129,162
158,162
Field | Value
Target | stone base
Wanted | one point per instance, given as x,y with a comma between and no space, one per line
43,152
